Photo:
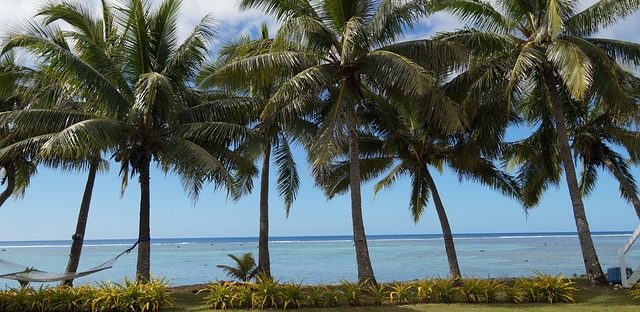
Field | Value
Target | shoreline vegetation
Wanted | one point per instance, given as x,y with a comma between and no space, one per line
538,293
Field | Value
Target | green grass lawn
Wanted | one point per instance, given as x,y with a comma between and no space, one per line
587,300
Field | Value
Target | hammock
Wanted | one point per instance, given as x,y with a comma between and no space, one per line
31,274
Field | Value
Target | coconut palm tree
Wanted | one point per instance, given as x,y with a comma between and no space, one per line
18,167
552,52
138,103
408,140
347,48
271,134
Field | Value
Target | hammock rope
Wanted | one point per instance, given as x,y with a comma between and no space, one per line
28,274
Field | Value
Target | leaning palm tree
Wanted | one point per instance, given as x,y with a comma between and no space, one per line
347,48
551,52
271,134
138,102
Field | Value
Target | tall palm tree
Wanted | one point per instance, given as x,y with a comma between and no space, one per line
347,48
408,140
139,105
271,134
552,52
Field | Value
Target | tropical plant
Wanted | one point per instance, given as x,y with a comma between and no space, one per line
267,293
292,296
635,293
219,295
473,290
139,102
330,297
596,137
400,293
545,51
378,293
353,292
424,290
349,48
272,133
245,268
445,290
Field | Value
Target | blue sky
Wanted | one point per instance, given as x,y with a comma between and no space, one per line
49,209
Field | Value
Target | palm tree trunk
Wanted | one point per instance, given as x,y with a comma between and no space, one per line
365,270
264,265
10,172
589,255
143,269
625,184
449,246
81,225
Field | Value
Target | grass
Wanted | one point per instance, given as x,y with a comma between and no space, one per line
587,300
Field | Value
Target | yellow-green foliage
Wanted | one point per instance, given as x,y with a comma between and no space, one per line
635,292
543,289
129,297
269,294
401,293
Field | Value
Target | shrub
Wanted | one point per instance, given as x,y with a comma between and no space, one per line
425,291
378,293
330,297
554,289
444,290
220,295
492,288
65,298
525,290
400,293
243,296
266,293
132,296
314,296
352,292
473,290
292,296
634,293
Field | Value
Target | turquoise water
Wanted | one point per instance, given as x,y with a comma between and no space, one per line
330,259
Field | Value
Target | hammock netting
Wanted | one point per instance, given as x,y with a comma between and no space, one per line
26,274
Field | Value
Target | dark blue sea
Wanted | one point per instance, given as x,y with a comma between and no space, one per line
329,259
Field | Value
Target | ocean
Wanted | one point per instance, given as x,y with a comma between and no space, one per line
329,259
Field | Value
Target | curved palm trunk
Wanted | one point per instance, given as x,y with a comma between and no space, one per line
10,172
449,246
365,270
589,255
625,184
143,268
264,265
81,225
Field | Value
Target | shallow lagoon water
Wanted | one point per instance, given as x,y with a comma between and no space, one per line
316,260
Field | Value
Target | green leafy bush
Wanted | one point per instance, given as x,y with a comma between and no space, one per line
314,296
401,293
493,288
473,290
424,290
292,296
220,295
352,292
243,296
266,293
444,291
378,293
554,289
129,297
330,297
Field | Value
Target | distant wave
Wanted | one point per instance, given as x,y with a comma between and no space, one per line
303,239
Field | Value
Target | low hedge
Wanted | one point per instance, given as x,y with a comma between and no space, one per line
106,297
267,293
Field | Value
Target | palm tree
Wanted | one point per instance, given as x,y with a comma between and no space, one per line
551,53
16,167
408,140
345,47
139,105
271,134
596,137
245,268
